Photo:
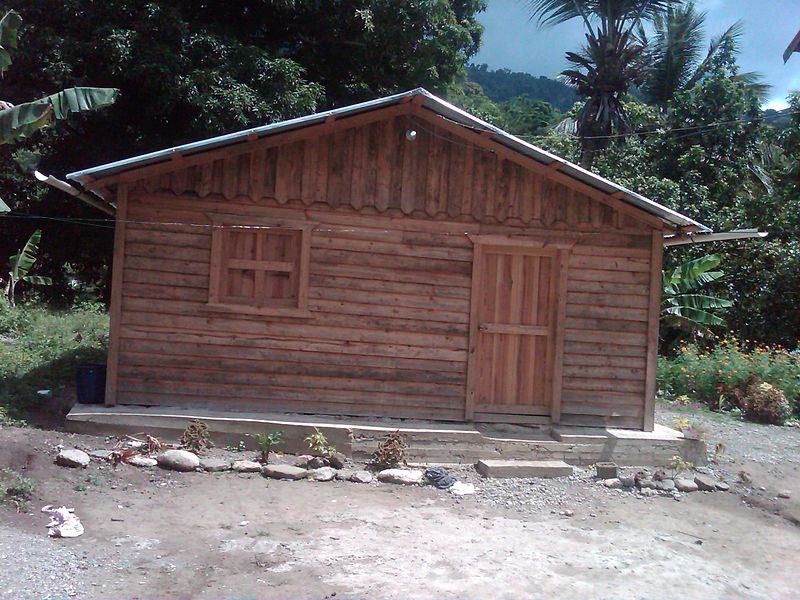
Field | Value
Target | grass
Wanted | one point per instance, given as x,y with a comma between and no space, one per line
15,489
39,348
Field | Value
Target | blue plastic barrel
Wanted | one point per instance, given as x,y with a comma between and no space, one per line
90,383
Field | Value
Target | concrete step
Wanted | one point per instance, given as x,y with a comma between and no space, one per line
545,469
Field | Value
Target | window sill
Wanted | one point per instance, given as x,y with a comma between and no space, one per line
265,311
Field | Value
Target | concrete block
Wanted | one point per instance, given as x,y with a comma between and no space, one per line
546,469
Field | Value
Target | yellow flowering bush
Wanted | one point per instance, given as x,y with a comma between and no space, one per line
712,375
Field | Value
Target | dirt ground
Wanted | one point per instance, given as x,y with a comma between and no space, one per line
160,534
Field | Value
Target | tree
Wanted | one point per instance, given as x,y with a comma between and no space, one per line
612,61
675,49
683,306
20,264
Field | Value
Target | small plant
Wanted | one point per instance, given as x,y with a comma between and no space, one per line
21,263
391,452
678,465
266,442
318,444
15,489
681,423
196,437
240,447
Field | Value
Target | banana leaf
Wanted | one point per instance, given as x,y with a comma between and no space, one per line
21,121
23,261
9,26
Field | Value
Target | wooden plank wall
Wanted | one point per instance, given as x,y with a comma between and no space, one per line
390,280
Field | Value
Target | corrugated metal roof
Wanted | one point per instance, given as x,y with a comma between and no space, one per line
431,102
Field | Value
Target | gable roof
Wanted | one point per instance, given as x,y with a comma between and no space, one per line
426,100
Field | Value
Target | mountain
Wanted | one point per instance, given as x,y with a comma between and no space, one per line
503,84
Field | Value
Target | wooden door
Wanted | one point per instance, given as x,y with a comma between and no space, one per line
514,338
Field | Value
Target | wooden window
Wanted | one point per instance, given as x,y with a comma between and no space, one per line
259,266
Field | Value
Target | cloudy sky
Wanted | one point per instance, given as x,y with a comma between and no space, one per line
512,41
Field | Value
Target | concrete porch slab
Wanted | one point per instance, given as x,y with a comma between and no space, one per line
429,441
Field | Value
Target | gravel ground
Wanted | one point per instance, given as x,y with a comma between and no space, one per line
154,533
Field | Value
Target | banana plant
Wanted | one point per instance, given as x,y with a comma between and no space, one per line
683,305
20,265
21,121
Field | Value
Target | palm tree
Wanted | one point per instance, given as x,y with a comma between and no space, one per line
675,49
613,60
21,121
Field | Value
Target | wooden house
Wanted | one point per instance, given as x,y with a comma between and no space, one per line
396,258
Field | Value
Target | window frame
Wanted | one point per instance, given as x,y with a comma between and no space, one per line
218,268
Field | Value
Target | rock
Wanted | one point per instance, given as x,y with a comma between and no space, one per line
627,482
178,460
646,484
677,496
784,494
73,458
287,459
337,460
137,460
686,485
614,483
722,486
100,454
568,513
705,483
360,477
648,492
284,472
344,474
214,465
665,485
246,466
316,462
606,470
401,476
323,474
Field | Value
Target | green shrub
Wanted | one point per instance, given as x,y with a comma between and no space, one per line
762,402
712,376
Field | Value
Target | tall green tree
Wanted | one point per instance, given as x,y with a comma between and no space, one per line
610,64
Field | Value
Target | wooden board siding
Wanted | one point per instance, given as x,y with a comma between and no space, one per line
390,279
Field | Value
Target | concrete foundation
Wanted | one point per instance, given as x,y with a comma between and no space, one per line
546,469
429,441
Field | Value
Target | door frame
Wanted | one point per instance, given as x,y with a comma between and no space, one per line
560,251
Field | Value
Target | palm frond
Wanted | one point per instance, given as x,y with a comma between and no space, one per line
732,34
9,28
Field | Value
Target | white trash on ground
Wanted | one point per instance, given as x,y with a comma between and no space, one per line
63,523
459,488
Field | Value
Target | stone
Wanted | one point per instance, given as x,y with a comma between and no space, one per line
705,483
337,460
73,458
646,484
344,474
287,459
685,485
784,494
613,482
627,482
284,472
722,486
361,477
316,462
178,460
606,470
246,466
401,476
100,454
323,474
214,465
569,513
665,485
137,460
547,469
648,492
